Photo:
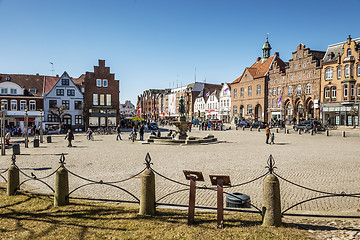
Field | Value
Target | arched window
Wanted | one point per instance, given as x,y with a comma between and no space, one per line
32,105
328,74
4,104
298,90
349,52
308,89
327,93
13,105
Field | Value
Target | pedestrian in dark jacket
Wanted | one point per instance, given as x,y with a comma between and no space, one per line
118,131
69,136
141,131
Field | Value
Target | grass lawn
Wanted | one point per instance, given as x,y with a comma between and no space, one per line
34,217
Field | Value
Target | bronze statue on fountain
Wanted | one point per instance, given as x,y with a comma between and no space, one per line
181,123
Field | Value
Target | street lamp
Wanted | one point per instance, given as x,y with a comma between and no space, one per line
3,128
41,126
26,128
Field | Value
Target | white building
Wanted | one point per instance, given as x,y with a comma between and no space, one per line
63,92
127,109
212,105
200,106
225,103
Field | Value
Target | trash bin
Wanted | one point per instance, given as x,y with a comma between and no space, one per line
48,139
16,149
36,142
237,200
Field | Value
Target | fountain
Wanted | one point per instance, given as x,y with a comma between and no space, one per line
181,137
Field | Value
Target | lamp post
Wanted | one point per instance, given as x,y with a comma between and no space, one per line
41,126
26,128
3,128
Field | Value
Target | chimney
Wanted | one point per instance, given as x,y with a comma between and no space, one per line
277,54
101,63
349,39
258,59
37,74
57,75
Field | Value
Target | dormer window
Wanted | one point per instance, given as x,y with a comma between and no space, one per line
4,91
13,91
349,52
32,90
65,82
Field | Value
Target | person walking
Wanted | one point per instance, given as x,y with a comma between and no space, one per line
118,131
141,132
7,138
69,136
272,141
267,132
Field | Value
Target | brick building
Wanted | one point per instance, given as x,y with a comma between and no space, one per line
340,83
101,97
294,89
249,91
18,93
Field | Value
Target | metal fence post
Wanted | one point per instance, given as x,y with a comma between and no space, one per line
147,198
61,185
13,178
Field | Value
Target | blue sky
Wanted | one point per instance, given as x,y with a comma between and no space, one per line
157,43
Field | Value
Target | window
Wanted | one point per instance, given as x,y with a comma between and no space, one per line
108,99
333,92
32,90
65,82
339,72
59,92
279,90
234,110
347,70
13,91
52,118
52,103
345,91
102,99
258,89
4,91
290,90
241,92
327,92
269,103
274,103
105,83
270,91
77,104
291,78
300,55
78,119
349,52
358,69
4,104
249,109
249,90
274,91
352,90
235,93
358,90
304,65
308,75
71,92
308,89
298,90
299,76
22,105
95,99
98,82
296,67
32,105
13,105
82,90
351,70
328,74
66,103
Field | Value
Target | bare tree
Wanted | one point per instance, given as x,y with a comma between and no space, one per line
58,111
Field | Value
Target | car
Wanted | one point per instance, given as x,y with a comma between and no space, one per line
308,124
259,124
243,124
153,126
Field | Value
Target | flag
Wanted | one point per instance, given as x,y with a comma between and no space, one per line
208,94
226,89
279,102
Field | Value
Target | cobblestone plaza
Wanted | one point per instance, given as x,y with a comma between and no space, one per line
328,164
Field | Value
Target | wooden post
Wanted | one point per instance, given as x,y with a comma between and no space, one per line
191,210
220,203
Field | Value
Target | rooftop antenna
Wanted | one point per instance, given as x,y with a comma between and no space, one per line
177,80
267,36
52,68
205,80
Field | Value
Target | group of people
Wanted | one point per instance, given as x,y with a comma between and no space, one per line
204,126
268,133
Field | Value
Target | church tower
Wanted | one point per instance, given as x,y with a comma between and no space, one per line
266,49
